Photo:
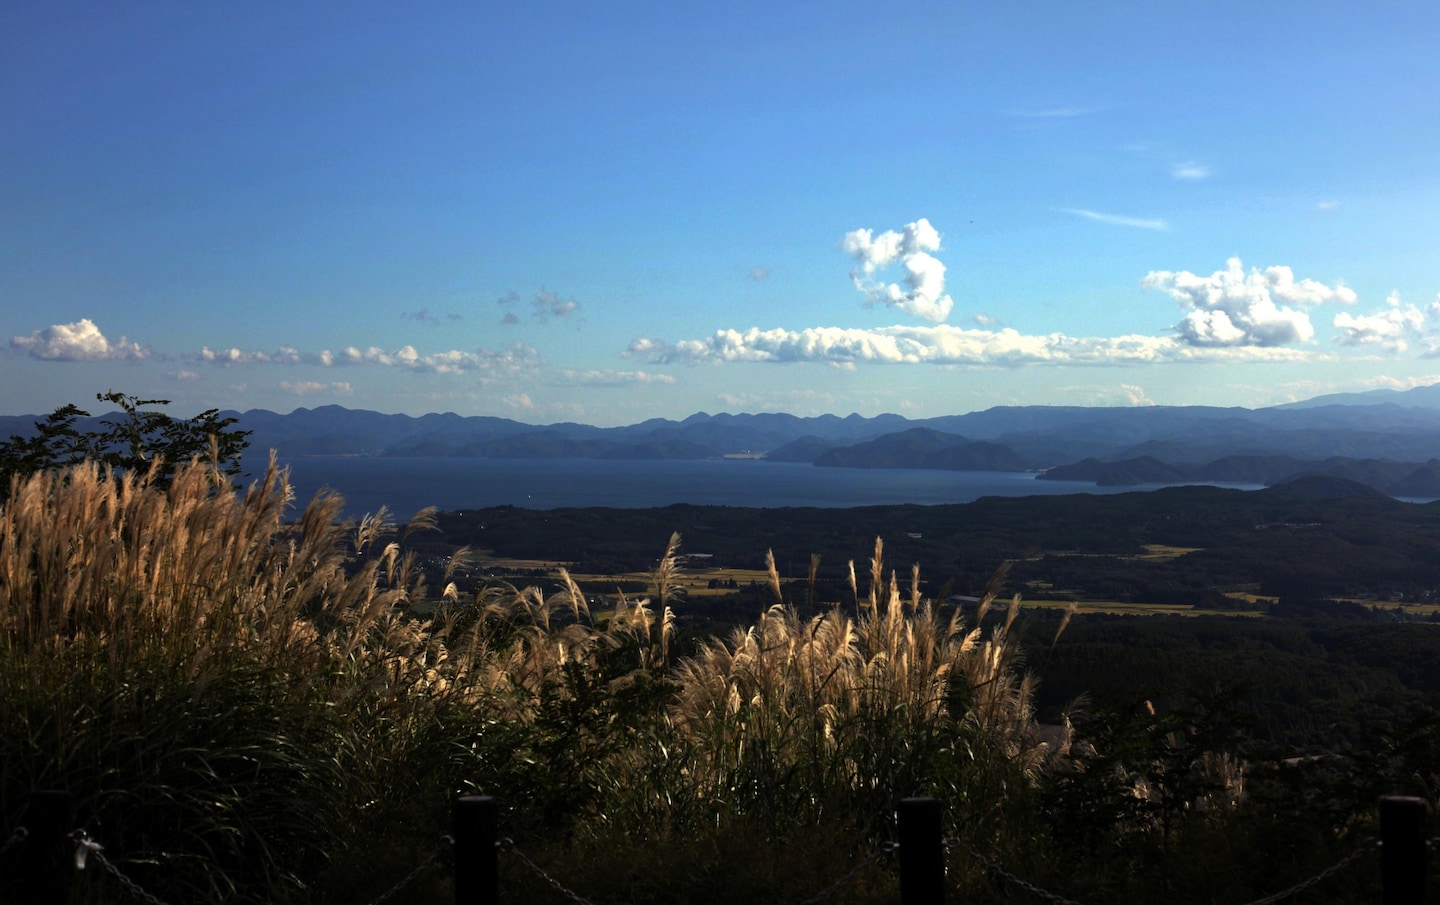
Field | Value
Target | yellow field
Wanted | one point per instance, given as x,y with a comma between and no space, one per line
1125,608
1162,553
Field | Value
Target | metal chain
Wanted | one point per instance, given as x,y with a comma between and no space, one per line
1366,846
952,841
18,836
446,843
1267,900
884,849
508,845
89,848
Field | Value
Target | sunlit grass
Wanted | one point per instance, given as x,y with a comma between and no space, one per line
249,704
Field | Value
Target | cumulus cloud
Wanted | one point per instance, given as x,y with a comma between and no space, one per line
923,292
1231,308
79,341
284,355
942,345
1392,328
182,374
611,378
1116,219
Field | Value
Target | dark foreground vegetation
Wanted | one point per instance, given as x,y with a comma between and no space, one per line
254,707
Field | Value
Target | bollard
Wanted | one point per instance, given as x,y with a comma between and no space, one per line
1402,850
477,874
922,852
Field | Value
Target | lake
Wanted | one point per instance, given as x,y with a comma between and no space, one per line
406,485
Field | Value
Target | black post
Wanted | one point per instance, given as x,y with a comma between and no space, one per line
1402,850
477,874
922,852
45,861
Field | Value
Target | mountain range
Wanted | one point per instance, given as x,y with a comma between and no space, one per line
1389,440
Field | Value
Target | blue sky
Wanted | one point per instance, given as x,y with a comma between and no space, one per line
611,212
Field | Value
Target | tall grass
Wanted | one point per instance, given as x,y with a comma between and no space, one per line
199,672
843,713
248,705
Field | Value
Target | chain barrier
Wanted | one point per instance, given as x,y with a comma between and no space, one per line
508,845
972,851
446,843
18,836
1367,846
86,848
884,849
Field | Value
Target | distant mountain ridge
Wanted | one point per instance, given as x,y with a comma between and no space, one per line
1389,440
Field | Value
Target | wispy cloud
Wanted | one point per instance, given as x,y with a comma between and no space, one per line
543,306
610,378
425,316
1116,219
1055,112
1329,205
78,341
512,358
311,387
1190,170
759,273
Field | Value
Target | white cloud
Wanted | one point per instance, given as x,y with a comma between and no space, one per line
1232,308
549,304
796,402
611,378
182,374
941,345
80,341
1328,205
519,402
1400,383
1055,112
311,387
1190,170
233,356
1117,220
1135,395
1391,328
512,358
924,281
759,273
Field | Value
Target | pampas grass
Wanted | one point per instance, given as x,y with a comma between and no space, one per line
245,699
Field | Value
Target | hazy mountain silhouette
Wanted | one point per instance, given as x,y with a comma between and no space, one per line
1387,440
